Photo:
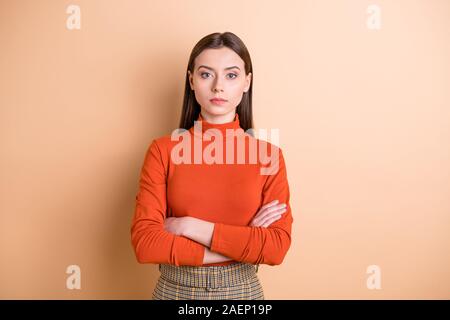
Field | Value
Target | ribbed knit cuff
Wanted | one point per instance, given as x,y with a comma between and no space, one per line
215,241
189,253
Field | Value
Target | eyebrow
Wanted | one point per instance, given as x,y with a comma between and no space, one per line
213,69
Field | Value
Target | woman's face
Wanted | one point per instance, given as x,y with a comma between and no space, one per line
219,73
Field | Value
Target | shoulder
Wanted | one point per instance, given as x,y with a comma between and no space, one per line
159,146
163,145
162,142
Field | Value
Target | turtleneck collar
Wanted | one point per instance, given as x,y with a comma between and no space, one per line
222,127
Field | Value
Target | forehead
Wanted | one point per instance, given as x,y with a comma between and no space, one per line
219,59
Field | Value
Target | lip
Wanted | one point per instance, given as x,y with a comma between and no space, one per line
218,101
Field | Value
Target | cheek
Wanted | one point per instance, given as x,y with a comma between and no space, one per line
202,90
236,90
237,86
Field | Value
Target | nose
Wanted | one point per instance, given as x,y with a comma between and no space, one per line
217,87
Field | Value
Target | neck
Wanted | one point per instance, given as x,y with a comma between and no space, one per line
205,128
218,119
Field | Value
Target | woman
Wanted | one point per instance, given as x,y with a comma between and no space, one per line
204,215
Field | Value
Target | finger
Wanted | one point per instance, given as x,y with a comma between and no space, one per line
271,215
270,221
268,211
274,202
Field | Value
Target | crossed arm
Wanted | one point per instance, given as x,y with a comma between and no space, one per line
225,242
202,231
197,230
200,242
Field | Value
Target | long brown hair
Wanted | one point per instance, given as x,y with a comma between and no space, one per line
191,108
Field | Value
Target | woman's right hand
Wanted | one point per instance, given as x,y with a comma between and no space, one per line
268,214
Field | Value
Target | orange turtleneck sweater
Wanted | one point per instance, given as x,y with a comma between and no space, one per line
227,194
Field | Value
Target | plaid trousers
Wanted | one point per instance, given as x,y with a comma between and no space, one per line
237,281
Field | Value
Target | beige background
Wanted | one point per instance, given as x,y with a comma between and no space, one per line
364,125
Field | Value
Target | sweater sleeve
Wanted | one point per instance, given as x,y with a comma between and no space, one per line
151,242
259,245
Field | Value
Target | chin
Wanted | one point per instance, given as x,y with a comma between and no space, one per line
218,110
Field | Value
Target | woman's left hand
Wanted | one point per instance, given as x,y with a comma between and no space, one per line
175,225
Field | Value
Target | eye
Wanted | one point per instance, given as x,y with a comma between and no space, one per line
234,76
201,74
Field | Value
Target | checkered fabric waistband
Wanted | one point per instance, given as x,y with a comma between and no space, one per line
208,277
